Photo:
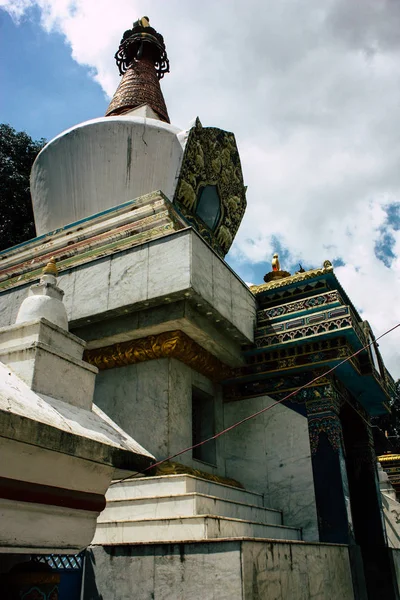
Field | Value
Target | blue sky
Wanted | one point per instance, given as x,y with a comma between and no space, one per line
312,97
44,90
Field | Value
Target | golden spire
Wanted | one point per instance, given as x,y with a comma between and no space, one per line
142,61
51,268
275,263
276,272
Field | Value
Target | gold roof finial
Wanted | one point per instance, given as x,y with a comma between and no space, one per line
276,272
51,268
275,263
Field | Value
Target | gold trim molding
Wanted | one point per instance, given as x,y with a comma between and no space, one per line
170,344
296,278
388,457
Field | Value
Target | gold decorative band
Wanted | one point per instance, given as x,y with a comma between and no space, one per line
388,457
170,344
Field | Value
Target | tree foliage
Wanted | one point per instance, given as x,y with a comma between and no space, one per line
17,153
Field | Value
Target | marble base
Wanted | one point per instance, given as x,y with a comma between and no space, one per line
227,570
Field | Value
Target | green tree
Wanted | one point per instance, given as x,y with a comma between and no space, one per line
17,153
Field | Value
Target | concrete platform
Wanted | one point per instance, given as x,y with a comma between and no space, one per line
181,529
186,505
178,508
227,570
169,485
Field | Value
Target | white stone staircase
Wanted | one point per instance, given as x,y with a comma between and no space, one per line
178,508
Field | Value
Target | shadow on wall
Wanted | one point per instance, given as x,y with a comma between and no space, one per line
90,591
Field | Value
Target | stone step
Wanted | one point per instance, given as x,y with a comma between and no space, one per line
175,485
186,505
182,529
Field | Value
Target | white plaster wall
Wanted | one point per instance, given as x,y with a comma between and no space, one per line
163,572
396,562
10,301
136,398
152,401
271,455
102,163
282,571
391,514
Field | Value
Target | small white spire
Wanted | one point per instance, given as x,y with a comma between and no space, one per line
45,300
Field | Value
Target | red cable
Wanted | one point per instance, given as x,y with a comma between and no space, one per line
256,414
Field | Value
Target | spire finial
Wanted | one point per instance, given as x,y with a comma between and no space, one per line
45,299
51,268
275,262
142,60
276,272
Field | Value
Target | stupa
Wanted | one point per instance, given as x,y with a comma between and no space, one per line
138,216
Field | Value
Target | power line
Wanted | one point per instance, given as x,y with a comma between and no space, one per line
260,412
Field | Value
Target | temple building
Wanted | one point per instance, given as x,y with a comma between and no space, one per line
126,341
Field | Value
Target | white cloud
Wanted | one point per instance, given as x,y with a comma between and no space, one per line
312,94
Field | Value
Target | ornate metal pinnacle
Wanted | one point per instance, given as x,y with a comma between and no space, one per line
142,42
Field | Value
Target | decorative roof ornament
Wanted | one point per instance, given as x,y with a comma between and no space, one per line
275,263
44,300
142,39
51,268
276,281
211,176
142,61
276,272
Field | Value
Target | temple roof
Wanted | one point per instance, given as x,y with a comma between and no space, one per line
286,279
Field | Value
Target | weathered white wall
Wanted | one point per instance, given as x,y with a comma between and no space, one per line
396,562
10,301
282,571
102,163
271,455
152,401
136,398
237,570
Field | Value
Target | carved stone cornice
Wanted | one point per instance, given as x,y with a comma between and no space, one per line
170,344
